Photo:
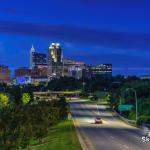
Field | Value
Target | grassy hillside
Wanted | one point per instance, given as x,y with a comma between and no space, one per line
61,136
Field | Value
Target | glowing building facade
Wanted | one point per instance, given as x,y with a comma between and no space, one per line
37,59
55,61
32,51
101,70
73,68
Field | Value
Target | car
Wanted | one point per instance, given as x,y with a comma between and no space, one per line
98,120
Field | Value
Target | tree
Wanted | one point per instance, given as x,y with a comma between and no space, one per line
63,107
26,127
25,98
40,126
9,129
64,83
16,94
4,100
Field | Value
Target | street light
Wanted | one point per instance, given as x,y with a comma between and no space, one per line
136,100
83,86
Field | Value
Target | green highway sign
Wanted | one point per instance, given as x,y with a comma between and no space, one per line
125,107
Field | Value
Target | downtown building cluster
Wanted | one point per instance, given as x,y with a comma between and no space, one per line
44,68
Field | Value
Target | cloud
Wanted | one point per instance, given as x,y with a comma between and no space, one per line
122,63
85,36
111,3
68,45
118,60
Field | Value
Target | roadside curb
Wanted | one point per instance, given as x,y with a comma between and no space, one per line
83,139
124,119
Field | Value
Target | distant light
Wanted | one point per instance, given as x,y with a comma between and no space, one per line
57,44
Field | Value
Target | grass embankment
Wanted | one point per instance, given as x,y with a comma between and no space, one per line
60,137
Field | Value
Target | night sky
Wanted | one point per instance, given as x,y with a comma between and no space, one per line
94,31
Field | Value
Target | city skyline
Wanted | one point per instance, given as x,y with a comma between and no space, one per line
91,31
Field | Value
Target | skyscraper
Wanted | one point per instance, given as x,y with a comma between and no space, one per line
37,59
32,51
55,60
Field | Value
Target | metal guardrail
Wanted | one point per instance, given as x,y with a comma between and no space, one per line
131,122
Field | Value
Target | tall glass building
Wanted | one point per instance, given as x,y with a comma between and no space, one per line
55,60
37,59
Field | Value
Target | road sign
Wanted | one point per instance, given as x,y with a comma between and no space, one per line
125,107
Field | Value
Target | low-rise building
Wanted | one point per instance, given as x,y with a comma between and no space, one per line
38,79
73,68
29,76
101,70
22,72
4,74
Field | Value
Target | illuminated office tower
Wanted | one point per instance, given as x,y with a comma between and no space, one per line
37,59
32,51
55,61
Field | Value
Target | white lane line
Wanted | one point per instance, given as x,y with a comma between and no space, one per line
124,145
134,136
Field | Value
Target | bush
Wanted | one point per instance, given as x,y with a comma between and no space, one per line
4,100
19,126
26,98
84,95
132,115
143,119
94,98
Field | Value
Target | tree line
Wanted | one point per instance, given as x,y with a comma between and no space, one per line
127,97
23,120
114,86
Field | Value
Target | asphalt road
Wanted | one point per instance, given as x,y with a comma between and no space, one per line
113,134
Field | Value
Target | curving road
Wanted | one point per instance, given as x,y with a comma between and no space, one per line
113,134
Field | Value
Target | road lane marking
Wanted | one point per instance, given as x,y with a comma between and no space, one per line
85,142
118,142
107,122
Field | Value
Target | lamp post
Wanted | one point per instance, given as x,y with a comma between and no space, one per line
83,86
136,101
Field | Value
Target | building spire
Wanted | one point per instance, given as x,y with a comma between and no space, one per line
32,48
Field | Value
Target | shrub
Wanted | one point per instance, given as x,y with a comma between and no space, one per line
143,119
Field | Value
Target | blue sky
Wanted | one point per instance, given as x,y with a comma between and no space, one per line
95,31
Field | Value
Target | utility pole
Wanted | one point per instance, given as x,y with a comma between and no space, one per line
136,101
